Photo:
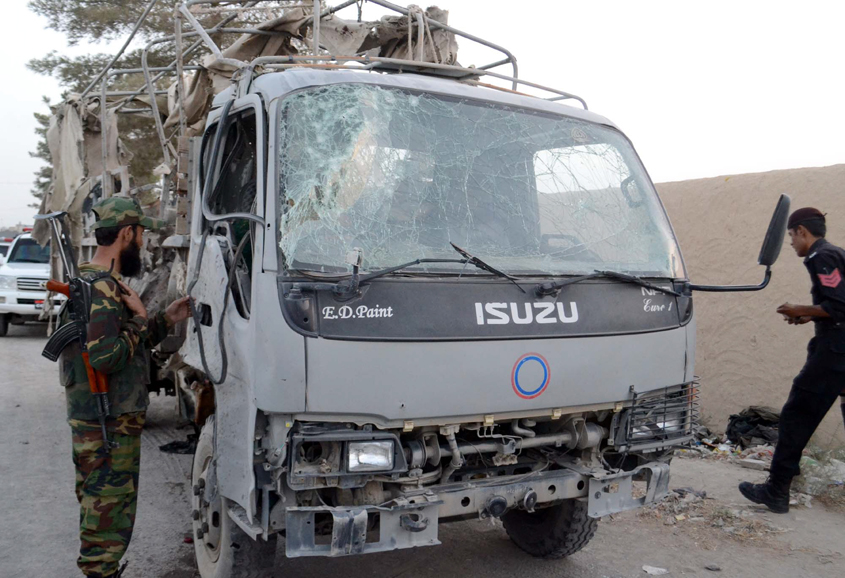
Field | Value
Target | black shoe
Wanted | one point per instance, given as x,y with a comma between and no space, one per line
772,494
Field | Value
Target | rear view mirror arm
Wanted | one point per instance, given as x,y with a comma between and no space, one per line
768,253
734,288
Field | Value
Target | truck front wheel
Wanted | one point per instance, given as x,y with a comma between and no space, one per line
554,532
4,325
222,549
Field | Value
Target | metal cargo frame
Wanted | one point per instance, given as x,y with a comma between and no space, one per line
188,27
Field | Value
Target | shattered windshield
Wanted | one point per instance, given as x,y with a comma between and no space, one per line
401,175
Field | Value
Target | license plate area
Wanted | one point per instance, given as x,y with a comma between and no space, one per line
353,531
615,493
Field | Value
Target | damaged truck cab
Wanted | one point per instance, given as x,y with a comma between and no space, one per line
372,379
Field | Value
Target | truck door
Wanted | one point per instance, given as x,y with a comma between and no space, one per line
226,245
226,226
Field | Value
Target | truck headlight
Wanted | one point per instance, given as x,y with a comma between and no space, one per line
376,456
6,282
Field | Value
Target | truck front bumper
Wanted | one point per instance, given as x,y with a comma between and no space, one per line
412,520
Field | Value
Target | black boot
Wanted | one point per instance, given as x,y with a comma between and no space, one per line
774,494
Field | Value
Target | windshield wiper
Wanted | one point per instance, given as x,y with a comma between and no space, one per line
472,260
544,289
389,270
346,287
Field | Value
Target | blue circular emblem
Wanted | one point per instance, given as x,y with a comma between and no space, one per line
528,367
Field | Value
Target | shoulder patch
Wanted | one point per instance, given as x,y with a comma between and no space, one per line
831,280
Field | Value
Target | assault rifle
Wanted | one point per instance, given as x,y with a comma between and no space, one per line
78,292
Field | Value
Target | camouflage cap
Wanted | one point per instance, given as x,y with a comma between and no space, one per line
120,211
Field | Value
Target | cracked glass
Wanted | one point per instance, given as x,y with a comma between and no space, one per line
400,175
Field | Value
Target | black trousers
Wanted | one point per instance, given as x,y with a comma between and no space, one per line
814,391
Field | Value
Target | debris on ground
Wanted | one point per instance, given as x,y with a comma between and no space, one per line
713,568
741,524
654,571
764,453
686,507
822,477
720,447
754,426
800,499
753,464
823,471
187,446
681,505
684,491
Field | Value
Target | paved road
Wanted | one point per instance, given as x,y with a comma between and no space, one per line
38,531
38,537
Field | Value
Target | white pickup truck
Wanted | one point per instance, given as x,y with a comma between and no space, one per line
23,277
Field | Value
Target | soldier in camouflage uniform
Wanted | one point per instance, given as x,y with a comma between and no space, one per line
119,337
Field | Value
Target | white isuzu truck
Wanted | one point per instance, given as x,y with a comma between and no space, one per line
418,296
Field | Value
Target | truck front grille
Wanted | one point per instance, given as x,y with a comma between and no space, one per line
31,284
663,417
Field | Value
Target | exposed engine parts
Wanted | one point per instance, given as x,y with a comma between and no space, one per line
343,457
579,435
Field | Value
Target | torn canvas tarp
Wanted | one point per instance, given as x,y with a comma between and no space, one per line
390,37
64,139
75,142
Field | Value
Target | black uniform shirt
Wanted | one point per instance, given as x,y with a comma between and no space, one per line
826,265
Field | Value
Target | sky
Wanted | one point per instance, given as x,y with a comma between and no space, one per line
702,89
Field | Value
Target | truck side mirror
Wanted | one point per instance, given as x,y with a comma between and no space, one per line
768,253
773,242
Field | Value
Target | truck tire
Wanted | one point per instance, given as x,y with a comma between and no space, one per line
224,551
4,325
554,532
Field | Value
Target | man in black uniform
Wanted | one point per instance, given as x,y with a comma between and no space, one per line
822,379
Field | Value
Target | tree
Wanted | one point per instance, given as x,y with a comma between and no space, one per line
97,20
44,175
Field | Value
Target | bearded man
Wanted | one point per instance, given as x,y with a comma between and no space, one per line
120,335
